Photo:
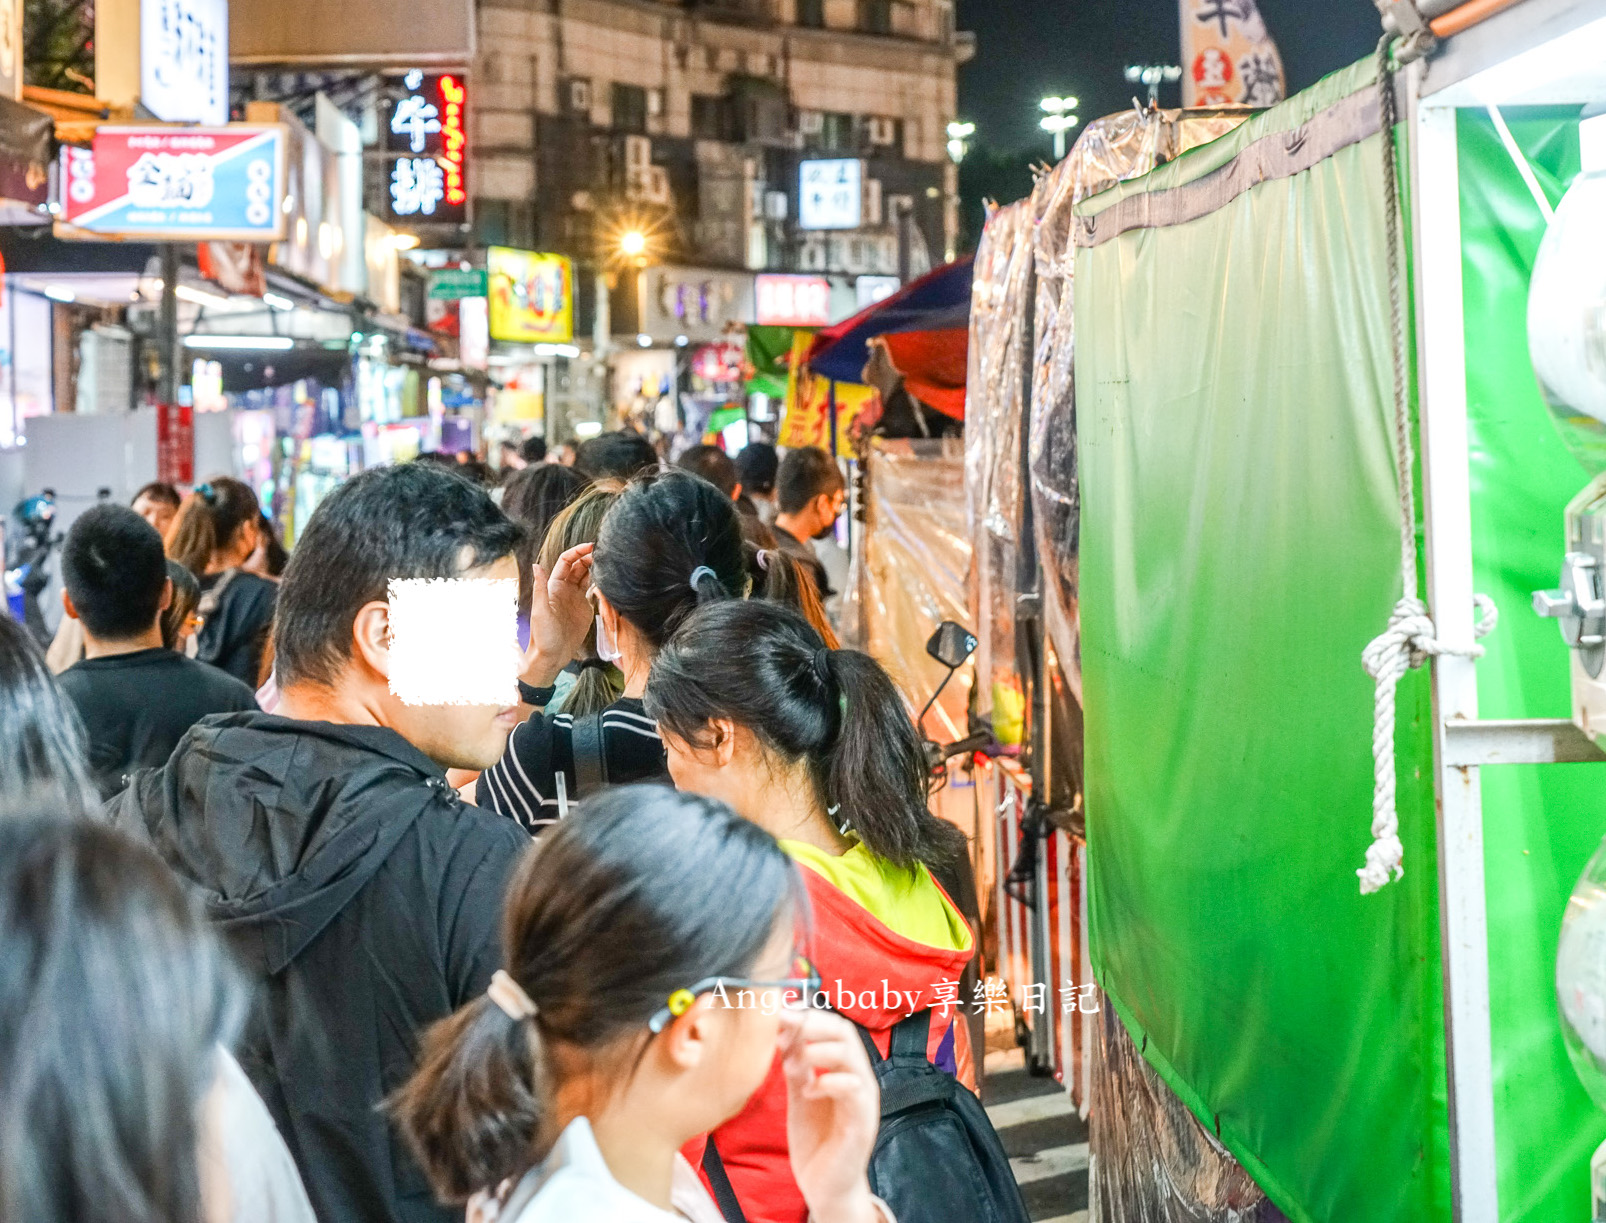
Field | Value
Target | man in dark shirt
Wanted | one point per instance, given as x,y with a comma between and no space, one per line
810,495
136,698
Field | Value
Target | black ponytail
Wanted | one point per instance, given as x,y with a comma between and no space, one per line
764,667
671,543
643,892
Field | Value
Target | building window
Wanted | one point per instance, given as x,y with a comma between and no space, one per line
811,13
629,108
836,133
875,16
710,117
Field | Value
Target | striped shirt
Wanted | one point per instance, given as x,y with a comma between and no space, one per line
523,784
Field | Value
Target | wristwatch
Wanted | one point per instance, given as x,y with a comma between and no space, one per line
536,696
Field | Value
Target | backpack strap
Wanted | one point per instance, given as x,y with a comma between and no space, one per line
910,1038
724,1195
590,760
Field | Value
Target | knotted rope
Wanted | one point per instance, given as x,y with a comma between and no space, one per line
1410,639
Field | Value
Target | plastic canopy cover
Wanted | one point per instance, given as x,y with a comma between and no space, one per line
1540,822
1239,548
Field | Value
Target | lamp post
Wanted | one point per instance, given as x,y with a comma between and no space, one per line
1059,117
959,135
1153,75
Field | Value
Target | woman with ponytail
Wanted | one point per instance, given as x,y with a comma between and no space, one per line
815,746
670,542
217,529
652,976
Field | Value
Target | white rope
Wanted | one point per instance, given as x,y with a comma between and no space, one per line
1407,642
1410,638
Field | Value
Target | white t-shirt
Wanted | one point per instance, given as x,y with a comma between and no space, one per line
574,1183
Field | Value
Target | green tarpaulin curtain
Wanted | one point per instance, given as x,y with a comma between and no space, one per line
1240,546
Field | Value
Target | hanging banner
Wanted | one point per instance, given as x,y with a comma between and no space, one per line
426,143
531,296
1228,58
195,184
175,443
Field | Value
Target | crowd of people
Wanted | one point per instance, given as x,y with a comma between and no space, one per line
279,945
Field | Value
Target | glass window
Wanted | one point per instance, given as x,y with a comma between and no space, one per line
875,16
629,108
811,13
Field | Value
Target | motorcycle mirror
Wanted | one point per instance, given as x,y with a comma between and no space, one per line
951,644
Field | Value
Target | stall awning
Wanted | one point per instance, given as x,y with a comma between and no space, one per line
927,329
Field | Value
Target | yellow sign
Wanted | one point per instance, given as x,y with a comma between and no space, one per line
806,420
531,296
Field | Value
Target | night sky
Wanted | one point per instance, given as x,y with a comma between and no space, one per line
1030,49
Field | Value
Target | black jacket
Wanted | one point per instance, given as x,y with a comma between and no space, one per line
364,899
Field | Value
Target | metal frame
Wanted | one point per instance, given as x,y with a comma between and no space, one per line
1447,509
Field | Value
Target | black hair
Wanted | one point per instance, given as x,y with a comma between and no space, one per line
805,474
438,457
114,998
159,491
208,521
186,595
713,465
533,498
113,566
274,555
533,449
758,463
670,542
781,577
414,520
764,667
43,751
621,454
643,892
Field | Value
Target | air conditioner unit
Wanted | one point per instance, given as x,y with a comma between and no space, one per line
811,122
579,93
880,130
775,205
872,201
655,102
647,184
638,152
812,257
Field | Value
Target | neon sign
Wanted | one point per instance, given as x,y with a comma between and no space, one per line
426,137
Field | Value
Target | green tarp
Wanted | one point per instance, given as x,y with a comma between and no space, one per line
1540,822
1240,546
767,352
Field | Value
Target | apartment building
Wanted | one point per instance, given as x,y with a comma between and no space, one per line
694,119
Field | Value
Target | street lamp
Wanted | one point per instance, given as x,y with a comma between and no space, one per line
959,135
1153,75
633,243
1059,117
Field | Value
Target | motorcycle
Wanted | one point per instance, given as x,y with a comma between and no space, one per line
26,575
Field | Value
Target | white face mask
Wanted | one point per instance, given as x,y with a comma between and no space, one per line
607,648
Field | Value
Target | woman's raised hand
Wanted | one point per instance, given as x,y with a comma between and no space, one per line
560,614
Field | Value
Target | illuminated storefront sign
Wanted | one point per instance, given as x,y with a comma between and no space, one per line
426,142
830,194
531,297
793,301
184,60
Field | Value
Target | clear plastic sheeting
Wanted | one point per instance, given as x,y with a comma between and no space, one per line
911,569
994,413
1152,1161
1109,151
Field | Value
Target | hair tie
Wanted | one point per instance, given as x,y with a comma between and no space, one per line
697,575
822,665
509,995
206,493
595,664
763,559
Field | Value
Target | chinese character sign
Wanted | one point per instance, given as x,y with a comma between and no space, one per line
830,194
792,301
195,183
531,296
184,60
426,136
1228,58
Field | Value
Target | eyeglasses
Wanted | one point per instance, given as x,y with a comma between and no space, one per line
804,983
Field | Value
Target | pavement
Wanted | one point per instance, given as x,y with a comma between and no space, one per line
1046,1141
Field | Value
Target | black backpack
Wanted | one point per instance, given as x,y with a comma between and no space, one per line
937,1158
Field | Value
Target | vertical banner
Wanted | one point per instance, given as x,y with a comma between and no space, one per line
175,443
1228,58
